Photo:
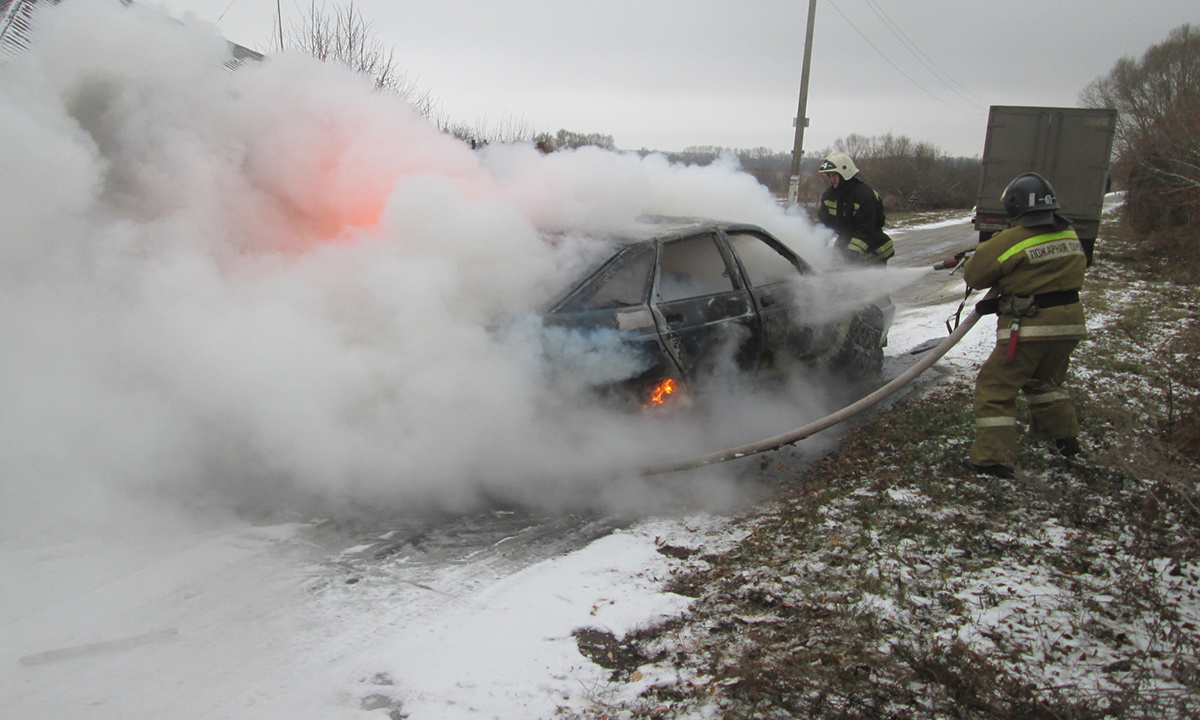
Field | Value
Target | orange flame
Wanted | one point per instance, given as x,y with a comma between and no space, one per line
659,391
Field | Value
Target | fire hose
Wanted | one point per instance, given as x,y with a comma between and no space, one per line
778,441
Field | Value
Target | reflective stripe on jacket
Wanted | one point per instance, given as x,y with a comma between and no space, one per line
855,212
1025,261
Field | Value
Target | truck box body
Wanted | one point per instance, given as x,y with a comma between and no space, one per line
1070,147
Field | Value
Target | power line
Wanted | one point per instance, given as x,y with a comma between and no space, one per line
231,2
888,60
921,57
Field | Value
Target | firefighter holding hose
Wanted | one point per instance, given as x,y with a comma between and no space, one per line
854,211
1037,265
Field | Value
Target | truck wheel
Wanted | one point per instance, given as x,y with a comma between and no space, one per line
1089,246
861,353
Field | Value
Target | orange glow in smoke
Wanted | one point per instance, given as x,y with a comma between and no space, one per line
659,392
362,208
329,185
341,203
331,179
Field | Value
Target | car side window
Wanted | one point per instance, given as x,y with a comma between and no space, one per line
624,287
764,265
692,267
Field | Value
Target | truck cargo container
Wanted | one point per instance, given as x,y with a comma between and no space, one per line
1070,147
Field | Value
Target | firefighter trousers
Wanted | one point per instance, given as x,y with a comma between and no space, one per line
1038,370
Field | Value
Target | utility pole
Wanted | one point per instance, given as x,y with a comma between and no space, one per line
802,111
279,15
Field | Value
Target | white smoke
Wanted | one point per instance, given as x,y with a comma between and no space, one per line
831,295
275,283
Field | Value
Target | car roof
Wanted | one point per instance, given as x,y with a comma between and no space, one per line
667,227
655,229
660,228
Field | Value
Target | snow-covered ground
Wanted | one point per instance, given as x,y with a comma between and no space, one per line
241,623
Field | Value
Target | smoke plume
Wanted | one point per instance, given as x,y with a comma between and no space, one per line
275,283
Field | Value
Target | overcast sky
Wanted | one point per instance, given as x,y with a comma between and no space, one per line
668,74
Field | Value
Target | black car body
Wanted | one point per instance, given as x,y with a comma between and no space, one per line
695,299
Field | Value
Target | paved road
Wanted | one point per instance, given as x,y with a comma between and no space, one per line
921,248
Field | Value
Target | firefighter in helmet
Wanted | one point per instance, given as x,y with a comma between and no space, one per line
855,213
1037,265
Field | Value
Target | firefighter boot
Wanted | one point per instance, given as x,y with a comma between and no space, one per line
1000,471
1068,447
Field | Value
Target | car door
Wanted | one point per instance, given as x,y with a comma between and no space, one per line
706,315
774,277
612,303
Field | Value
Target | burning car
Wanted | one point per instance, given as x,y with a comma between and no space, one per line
693,300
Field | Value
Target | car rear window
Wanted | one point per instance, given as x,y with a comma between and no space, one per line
624,286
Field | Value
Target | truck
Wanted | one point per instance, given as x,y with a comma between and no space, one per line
1070,147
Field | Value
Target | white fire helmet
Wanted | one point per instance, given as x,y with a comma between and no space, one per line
840,163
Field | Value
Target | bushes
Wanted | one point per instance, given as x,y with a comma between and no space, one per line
908,175
913,175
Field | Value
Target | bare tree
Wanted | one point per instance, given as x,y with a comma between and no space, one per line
1164,81
343,36
1158,129
568,140
483,132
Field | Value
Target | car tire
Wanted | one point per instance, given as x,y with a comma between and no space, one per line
860,354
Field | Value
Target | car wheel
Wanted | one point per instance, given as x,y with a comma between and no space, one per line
860,354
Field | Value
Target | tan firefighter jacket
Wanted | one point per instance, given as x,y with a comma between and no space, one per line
1028,262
